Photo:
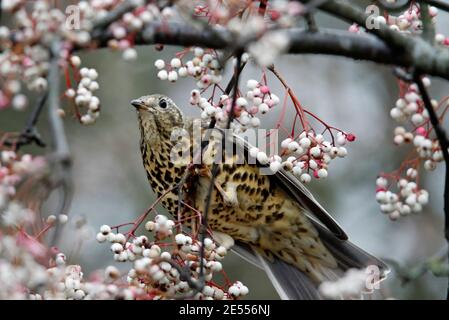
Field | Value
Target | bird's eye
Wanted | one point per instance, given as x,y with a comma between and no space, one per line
162,103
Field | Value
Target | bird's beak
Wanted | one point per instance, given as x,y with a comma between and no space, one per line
138,104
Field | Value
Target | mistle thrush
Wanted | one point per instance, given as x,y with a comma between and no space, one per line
273,220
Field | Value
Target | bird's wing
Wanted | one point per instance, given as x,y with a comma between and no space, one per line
289,281
291,185
247,253
347,254
297,191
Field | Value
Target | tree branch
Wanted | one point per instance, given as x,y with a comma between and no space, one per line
30,134
313,5
396,6
311,23
440,4
351,14
444,144
100,25
415,53
421,55
404,4
428,31
60,156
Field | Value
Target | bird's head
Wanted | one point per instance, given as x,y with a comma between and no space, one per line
158,114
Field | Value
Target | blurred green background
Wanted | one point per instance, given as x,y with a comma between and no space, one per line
111,186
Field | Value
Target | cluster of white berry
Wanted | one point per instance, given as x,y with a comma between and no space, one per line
20,271
282,13
22,277
237,289
258,100
61,219
13,167
410,106
122,30
133,22
308,155
157,264
67,282
409,197
83,96
408,22
428,149
24,46
16,170
351,286
285,13
26,274
204,67
32,71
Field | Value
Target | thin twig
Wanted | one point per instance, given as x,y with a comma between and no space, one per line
311,23
402,74
313,5
444,144
215,169
204,144
30,134
228,89
433,264
428,28
184,275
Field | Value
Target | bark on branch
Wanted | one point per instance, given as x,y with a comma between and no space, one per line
60,155
407,52
444,144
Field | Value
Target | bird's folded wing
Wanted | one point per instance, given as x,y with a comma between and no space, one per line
306,199
288,182
295,189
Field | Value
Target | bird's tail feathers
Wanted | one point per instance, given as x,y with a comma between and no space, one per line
293,284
